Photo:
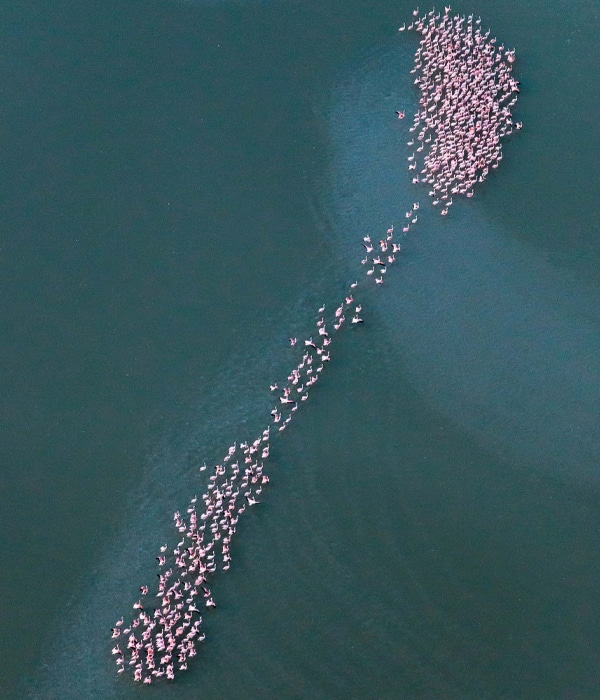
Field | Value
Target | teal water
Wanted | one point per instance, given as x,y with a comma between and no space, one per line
183,184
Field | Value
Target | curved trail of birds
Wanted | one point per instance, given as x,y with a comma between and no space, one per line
466,94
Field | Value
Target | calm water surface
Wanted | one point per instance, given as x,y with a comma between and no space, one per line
183,184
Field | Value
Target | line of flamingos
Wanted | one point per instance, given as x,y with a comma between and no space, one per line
466,94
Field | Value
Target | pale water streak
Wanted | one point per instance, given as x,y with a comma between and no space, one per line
232,405
495,336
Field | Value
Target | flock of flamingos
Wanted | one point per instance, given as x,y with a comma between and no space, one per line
466,94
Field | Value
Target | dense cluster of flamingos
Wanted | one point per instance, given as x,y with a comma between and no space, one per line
467,91
466,95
